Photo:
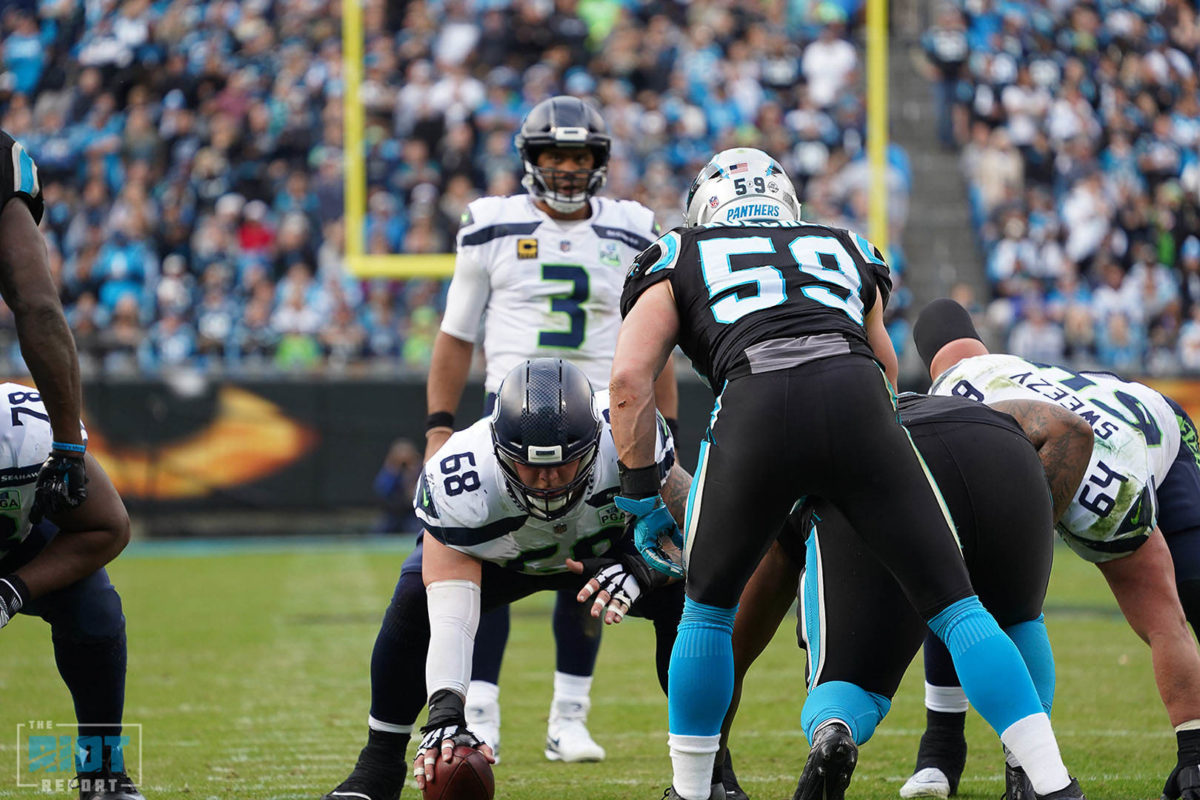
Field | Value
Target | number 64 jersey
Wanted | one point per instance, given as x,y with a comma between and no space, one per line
1137,438
25,440
465,503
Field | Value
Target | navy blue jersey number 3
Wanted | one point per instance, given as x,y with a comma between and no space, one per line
823,257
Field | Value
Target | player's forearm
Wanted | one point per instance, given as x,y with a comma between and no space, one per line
71,557
1063,441
633,416
448,369
666,392
49,351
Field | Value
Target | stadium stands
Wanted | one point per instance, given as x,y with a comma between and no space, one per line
1080,125
191,151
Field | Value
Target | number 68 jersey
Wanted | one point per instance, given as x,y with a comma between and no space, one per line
1137,438
25,440
465,503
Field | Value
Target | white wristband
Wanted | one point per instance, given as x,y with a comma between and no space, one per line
453,619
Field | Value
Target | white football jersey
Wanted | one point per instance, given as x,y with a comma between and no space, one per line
544,288
25,439
1137,439
465,503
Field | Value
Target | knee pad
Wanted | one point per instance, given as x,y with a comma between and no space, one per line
861,710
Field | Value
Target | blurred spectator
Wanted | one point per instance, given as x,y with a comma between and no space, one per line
395,485
1083,176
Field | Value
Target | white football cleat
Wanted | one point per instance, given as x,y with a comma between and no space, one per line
483,720
927,782
567,737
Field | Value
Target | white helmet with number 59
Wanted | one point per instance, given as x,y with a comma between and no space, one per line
741,185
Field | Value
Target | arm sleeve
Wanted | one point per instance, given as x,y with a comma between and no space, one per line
19,177
467,297
453,619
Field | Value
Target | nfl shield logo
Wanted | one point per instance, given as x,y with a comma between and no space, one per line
713,202
565,245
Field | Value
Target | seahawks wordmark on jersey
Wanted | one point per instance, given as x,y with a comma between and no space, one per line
748,295
24,444
1137,439
540,287
464,502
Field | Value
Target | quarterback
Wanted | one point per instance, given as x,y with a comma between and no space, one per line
539,275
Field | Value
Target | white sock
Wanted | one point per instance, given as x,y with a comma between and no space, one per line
482,693
575,688
1032,742
946,699
692,759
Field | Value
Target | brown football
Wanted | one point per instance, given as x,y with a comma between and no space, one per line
467,776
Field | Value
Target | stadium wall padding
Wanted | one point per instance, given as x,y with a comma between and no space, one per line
303,444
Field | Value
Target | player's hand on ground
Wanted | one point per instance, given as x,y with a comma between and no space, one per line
651,522
61,484
1184,781
440,743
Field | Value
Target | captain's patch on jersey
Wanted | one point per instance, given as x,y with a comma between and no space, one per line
527,248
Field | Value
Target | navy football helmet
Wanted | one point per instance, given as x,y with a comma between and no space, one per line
563,121
544,417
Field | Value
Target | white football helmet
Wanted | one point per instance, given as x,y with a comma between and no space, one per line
740,185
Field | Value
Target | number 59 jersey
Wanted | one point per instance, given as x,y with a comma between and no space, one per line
465,503
25,440
755,297
1136,440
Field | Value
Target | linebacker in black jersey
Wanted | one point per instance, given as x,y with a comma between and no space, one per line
854,620
785,320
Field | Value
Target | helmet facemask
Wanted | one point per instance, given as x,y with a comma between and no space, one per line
550,503
540,181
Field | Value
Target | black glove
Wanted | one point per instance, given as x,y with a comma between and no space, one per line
61,483
1184,781
13,595
447,720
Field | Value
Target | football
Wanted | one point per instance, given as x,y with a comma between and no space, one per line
467,776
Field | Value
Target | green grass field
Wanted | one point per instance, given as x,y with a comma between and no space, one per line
248,675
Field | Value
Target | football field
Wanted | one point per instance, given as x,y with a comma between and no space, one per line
248,674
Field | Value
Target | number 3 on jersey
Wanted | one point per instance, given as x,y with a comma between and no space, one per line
570,304
823,257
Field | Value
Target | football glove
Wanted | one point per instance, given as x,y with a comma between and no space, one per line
620,580
1184,781
61,484
652,521
445,730
13,595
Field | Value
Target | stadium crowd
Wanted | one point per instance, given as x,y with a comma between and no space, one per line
1080,126
191,152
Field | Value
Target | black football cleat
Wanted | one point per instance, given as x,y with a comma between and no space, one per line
1016,784
717,792
830,764
1069,792
361,786
107,785
729,781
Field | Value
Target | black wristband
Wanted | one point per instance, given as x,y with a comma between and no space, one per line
445,708
639,482
1188,741
672,426
439,419
13,592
